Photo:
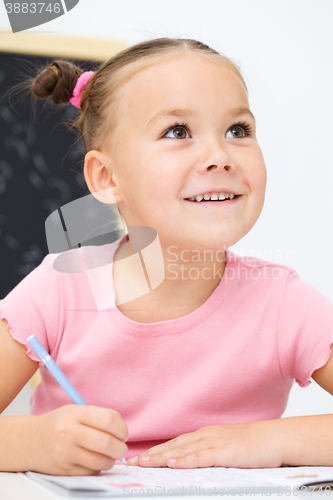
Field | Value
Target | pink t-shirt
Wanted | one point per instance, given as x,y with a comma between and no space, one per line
234,359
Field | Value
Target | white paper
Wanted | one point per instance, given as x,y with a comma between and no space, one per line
132,481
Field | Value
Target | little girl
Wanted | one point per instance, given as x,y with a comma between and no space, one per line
195,369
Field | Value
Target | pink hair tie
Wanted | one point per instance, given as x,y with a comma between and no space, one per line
81,82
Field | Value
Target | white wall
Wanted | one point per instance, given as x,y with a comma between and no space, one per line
285,49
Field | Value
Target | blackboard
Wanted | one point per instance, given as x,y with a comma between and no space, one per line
41,164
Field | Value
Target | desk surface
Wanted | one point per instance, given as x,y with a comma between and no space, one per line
17,487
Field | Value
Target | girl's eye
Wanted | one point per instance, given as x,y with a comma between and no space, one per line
178,131
238,131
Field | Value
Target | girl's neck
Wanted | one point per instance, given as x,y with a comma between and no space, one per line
186,286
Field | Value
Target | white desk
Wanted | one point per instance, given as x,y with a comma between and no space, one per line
15,487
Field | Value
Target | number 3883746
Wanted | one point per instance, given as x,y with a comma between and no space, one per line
32,8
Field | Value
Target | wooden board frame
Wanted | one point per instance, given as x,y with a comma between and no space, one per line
35,44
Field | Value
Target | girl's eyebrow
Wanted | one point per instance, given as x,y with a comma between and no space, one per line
236,112
183,113
170,112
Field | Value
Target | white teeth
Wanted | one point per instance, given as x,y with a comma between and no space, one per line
213,197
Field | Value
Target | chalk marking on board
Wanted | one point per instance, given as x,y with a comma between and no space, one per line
64,6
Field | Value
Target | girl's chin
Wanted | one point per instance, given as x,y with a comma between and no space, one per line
193,244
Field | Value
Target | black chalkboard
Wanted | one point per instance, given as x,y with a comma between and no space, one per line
41,164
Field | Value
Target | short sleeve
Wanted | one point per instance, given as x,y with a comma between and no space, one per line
305,331
32,307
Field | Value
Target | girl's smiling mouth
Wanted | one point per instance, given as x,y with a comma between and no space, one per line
214,200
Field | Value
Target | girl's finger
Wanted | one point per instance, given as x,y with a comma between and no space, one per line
95,462
161,459
200,458
104,419
77,470
100,442
183,439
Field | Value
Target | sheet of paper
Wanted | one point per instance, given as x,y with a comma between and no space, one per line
123,481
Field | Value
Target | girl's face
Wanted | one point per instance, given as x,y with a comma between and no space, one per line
184,129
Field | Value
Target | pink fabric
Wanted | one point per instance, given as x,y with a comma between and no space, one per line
81,82
234,359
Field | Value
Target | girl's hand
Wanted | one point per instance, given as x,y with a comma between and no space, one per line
249,445
76,440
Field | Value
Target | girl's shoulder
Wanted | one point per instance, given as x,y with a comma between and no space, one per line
251,262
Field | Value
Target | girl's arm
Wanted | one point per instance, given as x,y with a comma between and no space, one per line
71,440
309,440
16,369
291,441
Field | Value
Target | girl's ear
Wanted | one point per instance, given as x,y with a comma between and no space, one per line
101,178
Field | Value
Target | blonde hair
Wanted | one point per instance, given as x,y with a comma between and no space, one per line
98,115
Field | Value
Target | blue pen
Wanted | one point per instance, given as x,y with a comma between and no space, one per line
58,374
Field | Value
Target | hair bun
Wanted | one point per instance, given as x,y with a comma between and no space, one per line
58,80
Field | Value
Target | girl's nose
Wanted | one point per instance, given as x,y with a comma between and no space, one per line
226,167
217,157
